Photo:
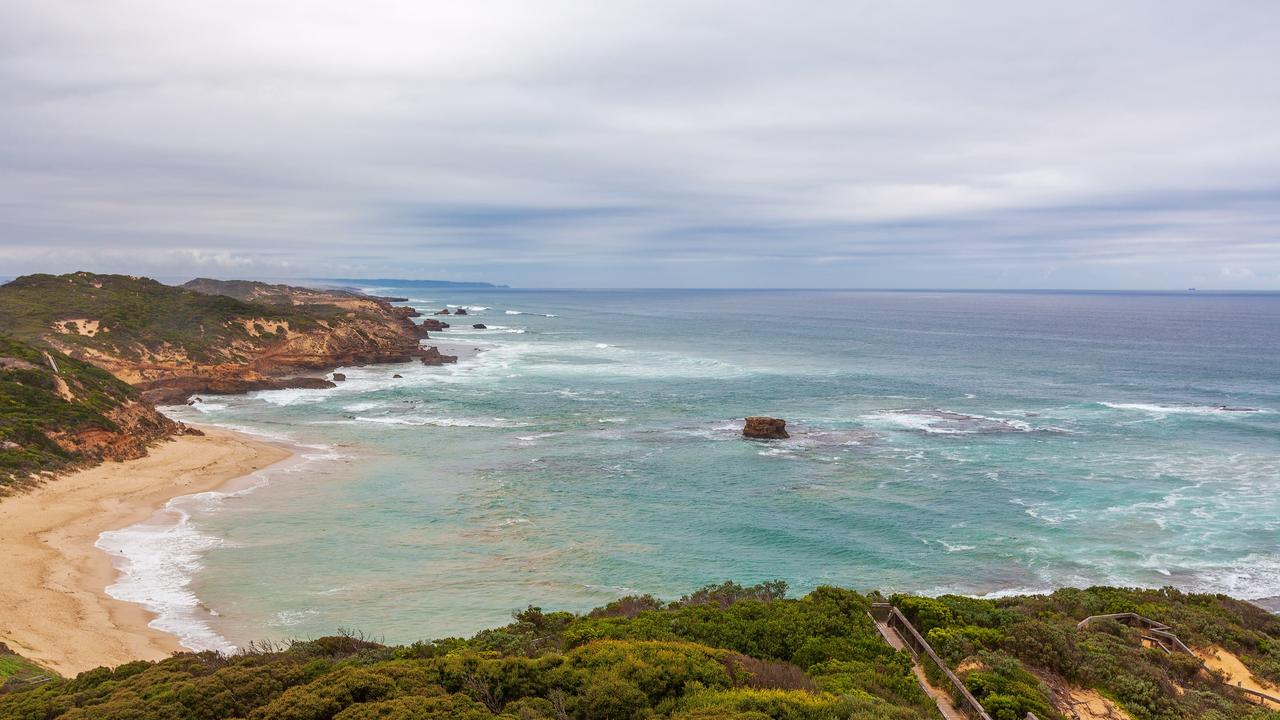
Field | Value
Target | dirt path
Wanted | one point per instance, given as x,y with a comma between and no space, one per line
1235,672
939,696
1090,705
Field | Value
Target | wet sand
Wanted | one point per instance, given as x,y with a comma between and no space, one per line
53,577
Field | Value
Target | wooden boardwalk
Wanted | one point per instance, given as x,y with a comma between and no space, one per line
1157,634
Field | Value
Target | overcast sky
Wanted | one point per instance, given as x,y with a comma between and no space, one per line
658,144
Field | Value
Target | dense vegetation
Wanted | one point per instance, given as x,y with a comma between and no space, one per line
260,292
37,405
725,652
139,315
1007,651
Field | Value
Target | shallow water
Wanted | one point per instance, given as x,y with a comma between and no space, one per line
966,442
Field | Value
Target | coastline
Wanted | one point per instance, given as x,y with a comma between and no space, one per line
57,612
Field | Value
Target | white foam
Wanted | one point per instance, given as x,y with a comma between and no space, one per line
289,618
424,420
362,406
1252,577
157,561
290,397
1162,410
208,407
494,329
946,422
1014,592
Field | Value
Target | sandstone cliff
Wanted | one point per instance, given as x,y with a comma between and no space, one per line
212,337
57,413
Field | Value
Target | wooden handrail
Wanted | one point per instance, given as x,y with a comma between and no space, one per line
916,642
1159,633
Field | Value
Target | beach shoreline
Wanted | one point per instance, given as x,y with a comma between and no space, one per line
57,612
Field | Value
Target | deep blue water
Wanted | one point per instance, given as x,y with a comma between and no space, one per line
942,442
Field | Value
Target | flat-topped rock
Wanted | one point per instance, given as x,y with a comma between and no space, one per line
761,427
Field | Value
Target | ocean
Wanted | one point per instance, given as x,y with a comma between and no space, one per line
588,446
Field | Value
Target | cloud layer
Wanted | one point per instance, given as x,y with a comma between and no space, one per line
988,144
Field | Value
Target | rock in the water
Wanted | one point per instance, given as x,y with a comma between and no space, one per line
339,377
761,427
460,311
433,356
430,324
397,375
480,326
442,311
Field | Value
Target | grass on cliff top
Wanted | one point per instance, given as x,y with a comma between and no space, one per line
260,292
726,652
139,313
31,408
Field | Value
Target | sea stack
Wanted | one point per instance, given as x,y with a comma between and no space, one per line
433,356
760,427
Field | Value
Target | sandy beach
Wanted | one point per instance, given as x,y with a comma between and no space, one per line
53,577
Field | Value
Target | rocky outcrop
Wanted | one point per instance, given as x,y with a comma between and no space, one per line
480,326
431,324
433,356
760,427
460,311
137,427
329,329
60,414
442,311
339,377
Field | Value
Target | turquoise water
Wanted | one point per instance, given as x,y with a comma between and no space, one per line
942,442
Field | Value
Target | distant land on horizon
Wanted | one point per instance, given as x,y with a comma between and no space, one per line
412,283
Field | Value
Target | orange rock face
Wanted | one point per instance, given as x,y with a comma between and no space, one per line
760,427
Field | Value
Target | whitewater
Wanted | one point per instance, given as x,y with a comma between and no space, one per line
587,445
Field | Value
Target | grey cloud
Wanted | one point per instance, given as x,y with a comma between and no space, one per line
1081,144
